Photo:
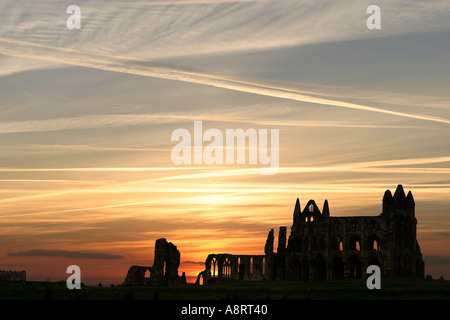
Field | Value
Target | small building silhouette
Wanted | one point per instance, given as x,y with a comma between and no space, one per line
13,276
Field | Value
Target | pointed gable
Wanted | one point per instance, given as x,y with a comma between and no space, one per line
325,210
297,210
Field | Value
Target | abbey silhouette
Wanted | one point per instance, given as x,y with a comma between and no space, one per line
323,247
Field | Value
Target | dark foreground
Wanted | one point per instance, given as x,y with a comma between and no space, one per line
391,289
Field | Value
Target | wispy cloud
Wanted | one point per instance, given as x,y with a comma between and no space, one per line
232,171
343,140
144,68
436,260
105,121
160,28
65,254
193,262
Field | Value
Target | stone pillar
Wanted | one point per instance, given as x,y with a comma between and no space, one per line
281,254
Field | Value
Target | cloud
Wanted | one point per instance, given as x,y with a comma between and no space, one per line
194,262
104,121
65,254
436,260
151,69
161,28
216,171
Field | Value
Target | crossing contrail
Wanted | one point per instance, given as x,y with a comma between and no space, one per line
126,65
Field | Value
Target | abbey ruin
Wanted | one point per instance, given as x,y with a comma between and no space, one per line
164,270
322,247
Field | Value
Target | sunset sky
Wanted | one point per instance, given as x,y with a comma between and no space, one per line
86,118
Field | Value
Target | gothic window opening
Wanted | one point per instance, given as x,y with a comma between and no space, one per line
241,268
226,268
264,266
239,265
374,243
213,267
355,243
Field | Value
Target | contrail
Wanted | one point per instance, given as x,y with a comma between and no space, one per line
106,62
343,167
99,121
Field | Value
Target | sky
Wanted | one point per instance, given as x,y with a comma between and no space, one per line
86,118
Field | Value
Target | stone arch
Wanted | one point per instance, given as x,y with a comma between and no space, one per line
373,261
334,243
201,278
354,267
373,242
136,275
337,268
304,269
354,242
319,268
211,265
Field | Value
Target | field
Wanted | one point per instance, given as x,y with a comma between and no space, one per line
391,289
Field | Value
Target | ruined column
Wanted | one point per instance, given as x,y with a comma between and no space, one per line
281,254
165,264
270,257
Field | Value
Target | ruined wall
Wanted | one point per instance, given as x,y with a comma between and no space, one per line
323,247
335,248
165,263
232,267
136,276
164,270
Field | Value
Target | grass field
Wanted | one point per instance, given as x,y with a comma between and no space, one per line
391,289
